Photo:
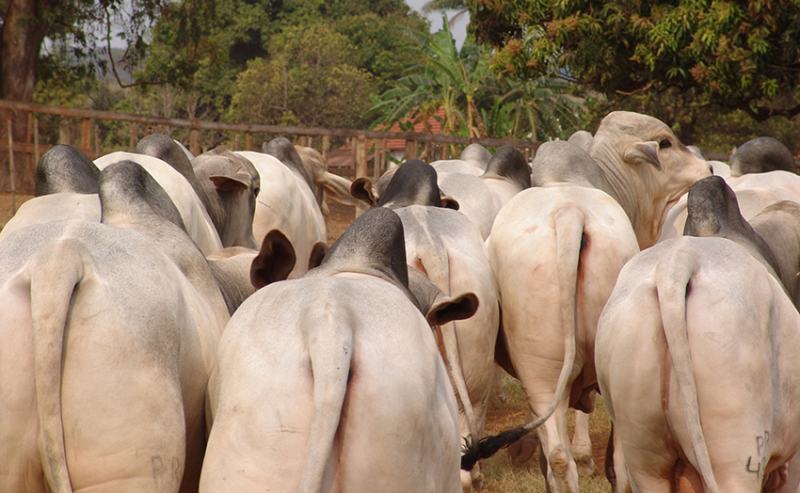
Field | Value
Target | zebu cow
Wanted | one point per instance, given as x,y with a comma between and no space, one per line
761,155
695,357
65,169
779,226
556,267
326,184
447,248
346,393
286,203
754,191
225,183
108,332
195,217
472,161
480,198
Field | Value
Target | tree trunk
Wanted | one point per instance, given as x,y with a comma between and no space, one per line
20,40
21,37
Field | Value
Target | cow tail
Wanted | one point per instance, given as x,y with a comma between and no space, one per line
452,355
330,349
569,223
673,281
54,273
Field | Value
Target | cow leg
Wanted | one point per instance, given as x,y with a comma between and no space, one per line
562,473
581,445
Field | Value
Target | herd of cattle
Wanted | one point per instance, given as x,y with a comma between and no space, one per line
150,343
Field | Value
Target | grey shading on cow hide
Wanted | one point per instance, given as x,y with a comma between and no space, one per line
128,191
171,152
231,270
779,226
582,139
562,161
284,150
65,169
510,164
413,183
166,149
476,153
760,155
374,244
713,210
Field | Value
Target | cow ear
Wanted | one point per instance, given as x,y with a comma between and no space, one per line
274,261
450,203
446,309
318,252
227,183
646,152
362,189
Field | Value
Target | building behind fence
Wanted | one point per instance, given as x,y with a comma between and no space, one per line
30,129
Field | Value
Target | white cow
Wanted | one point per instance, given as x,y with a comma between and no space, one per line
555,268
345,393
755,192
696,360
480,198
446,247
67,205
195,218
286,203
109,333
556,252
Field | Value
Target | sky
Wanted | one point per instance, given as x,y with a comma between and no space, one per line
459,30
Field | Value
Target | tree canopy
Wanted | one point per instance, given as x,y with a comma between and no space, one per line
734,55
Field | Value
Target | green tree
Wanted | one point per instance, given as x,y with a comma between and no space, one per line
310,79
734,55
199,47
475,101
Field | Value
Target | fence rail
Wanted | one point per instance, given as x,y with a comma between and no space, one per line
23,143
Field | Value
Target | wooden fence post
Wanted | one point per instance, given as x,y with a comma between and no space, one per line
326,146
411,150
86,137
96,133
64,134
11,168
36,139
194,141
248,141
361,163
376,159
133,135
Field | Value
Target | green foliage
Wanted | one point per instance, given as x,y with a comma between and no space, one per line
475,101
203,47
385,46
310,79
736,55
63,82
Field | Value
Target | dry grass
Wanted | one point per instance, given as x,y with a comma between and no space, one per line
508,408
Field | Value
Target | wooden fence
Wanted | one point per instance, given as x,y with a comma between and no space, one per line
37,127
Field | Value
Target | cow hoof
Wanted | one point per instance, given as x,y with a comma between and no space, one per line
477,479
466,481
585,466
